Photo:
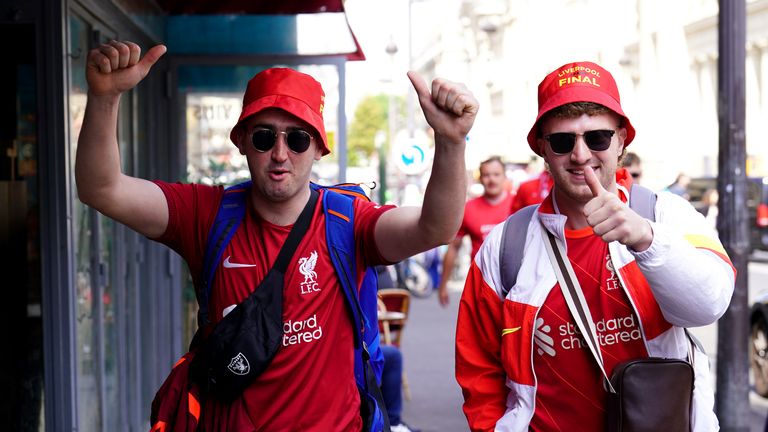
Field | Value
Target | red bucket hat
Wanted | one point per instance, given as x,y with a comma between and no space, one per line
578,82
292,91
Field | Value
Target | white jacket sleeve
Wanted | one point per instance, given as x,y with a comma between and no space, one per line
687,267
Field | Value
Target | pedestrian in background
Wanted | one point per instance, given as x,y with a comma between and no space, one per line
520,359
708,206
308,386
481,214
634,166
680,186
533,191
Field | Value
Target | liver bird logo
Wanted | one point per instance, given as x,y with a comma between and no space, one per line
307,267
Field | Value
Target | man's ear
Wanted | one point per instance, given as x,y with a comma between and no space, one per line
541,142
239,137
622,134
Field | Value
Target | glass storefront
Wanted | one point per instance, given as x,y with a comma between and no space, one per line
105,288
117,309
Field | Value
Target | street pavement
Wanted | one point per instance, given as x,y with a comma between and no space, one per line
428,351
428,347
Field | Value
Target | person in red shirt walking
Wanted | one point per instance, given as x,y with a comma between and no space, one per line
309,384
481,214
532,191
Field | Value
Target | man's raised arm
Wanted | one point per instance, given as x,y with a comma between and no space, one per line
112,69
450,109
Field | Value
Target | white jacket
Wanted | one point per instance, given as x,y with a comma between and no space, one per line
684,279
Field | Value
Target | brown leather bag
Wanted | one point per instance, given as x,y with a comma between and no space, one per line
652,394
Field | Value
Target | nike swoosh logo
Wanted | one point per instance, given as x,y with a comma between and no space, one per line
228,264
507,331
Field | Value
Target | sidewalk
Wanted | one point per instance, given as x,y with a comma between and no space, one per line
428,345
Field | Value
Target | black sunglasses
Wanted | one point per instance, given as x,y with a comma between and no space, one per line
563,142
264,139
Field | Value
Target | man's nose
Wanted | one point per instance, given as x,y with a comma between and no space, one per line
581,151
280,150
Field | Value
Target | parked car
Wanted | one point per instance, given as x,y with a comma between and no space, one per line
758,356
757,205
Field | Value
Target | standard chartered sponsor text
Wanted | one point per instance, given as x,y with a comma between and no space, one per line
296,332
609,332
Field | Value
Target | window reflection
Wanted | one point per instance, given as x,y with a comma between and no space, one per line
89,407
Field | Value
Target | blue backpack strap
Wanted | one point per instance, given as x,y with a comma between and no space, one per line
641,199
338,205
339,221
231,212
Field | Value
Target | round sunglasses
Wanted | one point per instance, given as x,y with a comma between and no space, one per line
596,140
264,139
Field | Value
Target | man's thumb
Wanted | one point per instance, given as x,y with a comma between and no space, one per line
418,84
592,181
152,56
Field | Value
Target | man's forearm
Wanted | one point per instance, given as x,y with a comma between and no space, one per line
97,162
445,195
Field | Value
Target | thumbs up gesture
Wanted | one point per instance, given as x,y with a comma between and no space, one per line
450,108
117,66
613,220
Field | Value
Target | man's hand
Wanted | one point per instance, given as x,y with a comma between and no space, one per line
450,108
611,219
442,295
117,66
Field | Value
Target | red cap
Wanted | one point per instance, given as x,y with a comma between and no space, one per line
292,91
579,82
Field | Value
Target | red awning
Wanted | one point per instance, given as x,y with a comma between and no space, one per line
250,7
260,7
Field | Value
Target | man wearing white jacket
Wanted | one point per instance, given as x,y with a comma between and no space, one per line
521,361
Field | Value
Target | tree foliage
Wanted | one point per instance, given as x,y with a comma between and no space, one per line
371,116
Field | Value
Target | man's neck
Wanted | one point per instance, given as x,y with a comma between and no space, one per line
571,209
281,213
493,200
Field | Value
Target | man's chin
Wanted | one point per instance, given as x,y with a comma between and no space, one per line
576,194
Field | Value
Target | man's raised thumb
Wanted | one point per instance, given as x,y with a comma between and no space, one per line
152,56
593,182
419,84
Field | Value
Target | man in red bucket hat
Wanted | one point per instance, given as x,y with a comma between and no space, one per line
310,383
521,359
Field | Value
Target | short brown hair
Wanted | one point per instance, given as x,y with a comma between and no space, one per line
493,159
629,159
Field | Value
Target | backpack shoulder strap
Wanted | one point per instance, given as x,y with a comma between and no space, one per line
340,237
338,205
511,249
641,199
228,217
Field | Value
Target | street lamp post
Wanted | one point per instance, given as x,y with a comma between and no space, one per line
409,96
391,49
381,143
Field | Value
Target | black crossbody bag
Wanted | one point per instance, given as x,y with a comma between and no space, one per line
242,345
648,394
